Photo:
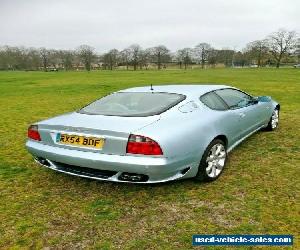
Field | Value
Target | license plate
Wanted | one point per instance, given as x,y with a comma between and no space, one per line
76,140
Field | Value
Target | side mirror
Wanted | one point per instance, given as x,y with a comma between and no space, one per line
255,100
264,98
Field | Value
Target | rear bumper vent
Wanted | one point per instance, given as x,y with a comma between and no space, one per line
92,173
88,172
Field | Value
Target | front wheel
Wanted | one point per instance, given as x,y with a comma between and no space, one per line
274,120
213,161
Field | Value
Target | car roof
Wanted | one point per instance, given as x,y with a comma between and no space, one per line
188,90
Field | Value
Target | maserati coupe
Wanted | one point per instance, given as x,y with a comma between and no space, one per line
152,134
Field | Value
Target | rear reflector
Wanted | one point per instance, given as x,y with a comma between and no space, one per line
33,133
138,144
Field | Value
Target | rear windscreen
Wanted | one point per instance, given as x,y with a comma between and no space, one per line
133,104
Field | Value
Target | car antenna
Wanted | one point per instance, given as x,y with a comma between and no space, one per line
151,87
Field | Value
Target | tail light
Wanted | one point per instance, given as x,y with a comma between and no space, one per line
33,133
138,144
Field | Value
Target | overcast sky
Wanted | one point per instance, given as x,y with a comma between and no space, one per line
106,24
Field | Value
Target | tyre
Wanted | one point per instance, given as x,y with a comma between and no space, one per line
213,161
274,120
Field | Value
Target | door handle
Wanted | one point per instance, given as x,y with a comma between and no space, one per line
242,115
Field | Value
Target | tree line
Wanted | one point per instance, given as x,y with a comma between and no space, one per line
280,46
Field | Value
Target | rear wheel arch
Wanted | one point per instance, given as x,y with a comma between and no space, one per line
222,138
212,159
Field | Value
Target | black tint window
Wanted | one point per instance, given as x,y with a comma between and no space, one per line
213,101
234,98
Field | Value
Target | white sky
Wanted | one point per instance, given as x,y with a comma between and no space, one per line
107,24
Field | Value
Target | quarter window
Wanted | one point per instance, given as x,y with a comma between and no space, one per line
213,101
234,98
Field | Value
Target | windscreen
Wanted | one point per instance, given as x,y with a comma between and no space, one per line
133,104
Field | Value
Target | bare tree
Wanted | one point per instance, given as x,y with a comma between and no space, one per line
19,58
281,46
135,50
144,58
125,57
86,54
111,58
67,58
202,52
33,58
225,56
160,55
54,59
13,58
45,57
212,58
257,50
297,50
280,43
184,56
240,59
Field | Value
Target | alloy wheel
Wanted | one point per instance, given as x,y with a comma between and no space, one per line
275,119
216,160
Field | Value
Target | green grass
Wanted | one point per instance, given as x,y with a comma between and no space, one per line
258,192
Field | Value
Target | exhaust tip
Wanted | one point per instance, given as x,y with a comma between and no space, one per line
42,161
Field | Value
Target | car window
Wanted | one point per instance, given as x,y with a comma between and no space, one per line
234,98
213,101
133,104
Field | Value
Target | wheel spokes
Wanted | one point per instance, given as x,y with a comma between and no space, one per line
208,169
275,119
216,160
218,150
213,171
210,158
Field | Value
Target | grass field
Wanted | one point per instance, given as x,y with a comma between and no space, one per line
258,192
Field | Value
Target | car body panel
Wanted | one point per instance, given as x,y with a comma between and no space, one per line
183,133
159,169
115,130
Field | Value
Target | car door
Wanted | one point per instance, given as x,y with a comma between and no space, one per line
241,105
226,121
264,110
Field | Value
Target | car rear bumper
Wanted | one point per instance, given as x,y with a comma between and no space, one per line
113,167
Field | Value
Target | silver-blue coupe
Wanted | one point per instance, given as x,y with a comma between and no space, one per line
152,134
